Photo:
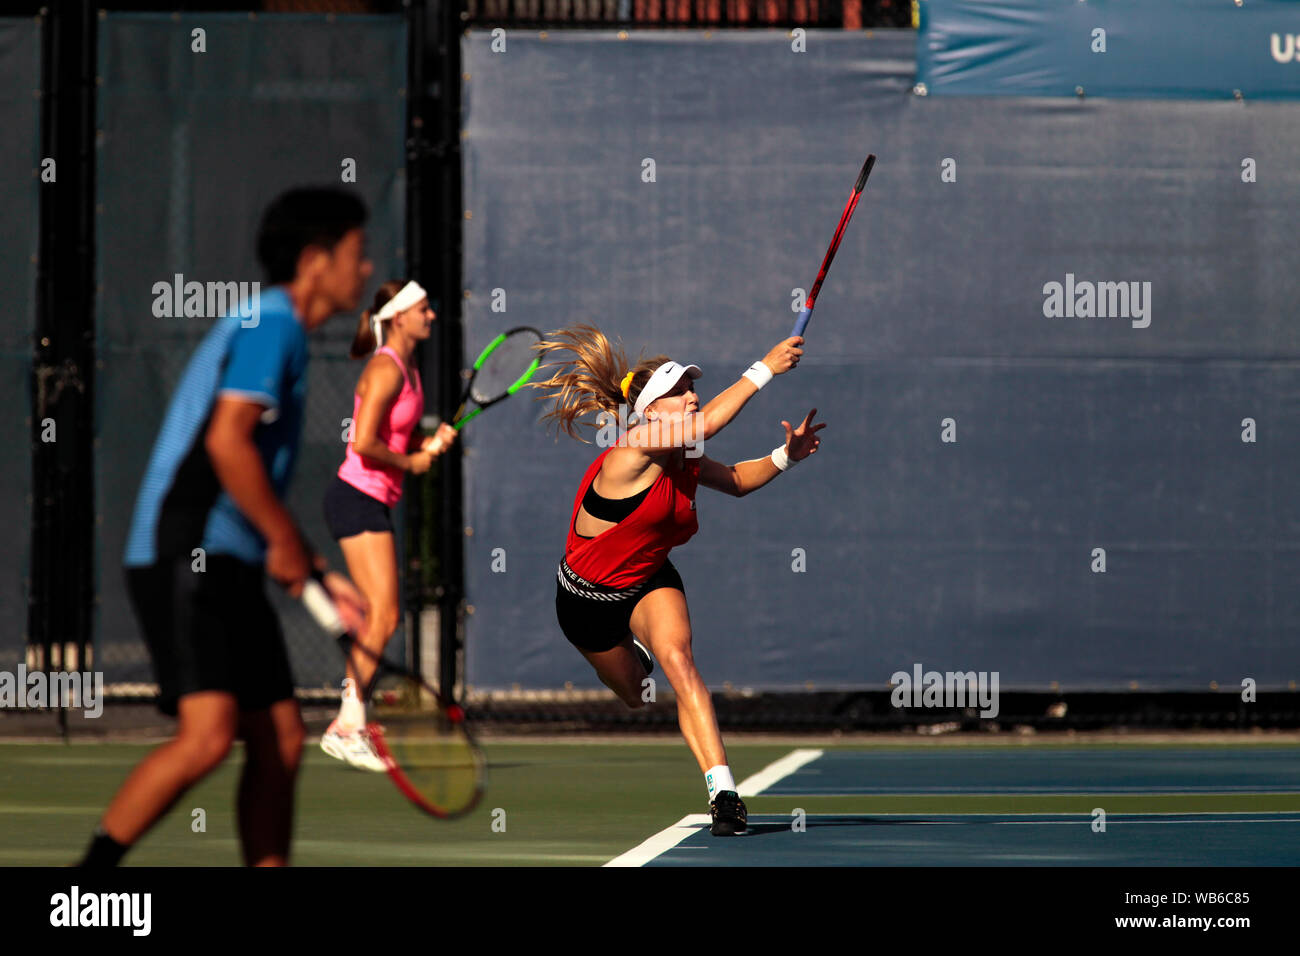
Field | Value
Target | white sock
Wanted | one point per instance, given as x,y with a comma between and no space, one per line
718,779
352,715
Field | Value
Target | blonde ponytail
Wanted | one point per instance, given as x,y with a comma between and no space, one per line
592,381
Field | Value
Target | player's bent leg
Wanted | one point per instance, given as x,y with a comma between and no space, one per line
621,670
662,620
273,740
372,563
207,722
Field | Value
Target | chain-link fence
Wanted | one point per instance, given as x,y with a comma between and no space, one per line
191,149
20,80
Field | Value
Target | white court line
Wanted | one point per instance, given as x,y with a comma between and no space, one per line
1035,791
662,842
1112,821
1060,813
1083,820
754,785
665,840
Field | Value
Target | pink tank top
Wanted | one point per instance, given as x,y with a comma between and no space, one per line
381,481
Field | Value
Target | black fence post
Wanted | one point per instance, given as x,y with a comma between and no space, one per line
434,256
60,611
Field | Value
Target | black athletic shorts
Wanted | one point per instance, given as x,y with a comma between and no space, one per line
594,617
350,511
211,630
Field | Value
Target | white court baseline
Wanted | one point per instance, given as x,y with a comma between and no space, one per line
751,786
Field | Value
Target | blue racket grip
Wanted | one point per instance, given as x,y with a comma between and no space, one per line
801,323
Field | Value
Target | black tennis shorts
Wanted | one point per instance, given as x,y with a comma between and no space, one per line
350,511
211,630
594,617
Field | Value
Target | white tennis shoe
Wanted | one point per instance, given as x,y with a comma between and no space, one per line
353,748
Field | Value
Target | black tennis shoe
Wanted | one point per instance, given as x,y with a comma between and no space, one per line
729,814
647,661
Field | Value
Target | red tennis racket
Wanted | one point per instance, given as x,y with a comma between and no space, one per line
422,739
806,313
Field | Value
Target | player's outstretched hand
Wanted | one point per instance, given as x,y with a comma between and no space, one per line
785,355
802,441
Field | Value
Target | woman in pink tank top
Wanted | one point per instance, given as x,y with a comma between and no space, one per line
386,444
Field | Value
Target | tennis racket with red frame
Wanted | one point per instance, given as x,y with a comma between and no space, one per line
806,313
423,741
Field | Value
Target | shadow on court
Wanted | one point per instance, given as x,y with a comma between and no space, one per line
822,822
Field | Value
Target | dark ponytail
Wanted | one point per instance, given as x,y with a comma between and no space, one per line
363,343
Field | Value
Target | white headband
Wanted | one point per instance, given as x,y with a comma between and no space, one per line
407,296
662,381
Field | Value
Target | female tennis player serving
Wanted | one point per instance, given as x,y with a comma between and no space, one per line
386,443
635,503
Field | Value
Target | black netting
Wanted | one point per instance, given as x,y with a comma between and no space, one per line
193,148
20,79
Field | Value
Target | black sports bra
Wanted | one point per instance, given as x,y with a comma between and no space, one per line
610,509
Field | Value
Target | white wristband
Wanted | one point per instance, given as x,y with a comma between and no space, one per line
759,374
781,459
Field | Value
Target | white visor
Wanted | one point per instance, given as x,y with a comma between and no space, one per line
663,380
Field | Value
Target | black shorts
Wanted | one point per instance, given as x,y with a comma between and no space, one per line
350,511
596,624
211,630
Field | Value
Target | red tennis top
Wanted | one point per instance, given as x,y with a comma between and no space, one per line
630,552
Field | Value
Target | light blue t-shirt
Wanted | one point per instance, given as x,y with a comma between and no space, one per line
181,505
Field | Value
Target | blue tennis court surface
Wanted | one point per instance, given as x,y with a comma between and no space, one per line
980,839
1240,829
1249,770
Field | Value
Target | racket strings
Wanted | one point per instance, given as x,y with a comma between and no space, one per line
435,760
504,366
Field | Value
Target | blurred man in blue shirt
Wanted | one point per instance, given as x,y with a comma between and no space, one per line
210,524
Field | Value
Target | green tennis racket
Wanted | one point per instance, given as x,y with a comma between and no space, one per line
501,369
